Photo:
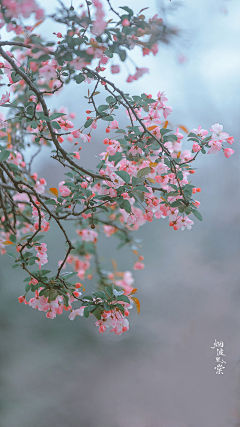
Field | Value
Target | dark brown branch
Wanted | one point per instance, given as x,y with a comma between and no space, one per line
99,77
114,11
20,190
15,44
46,113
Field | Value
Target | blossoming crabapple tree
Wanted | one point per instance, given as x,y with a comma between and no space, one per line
143,172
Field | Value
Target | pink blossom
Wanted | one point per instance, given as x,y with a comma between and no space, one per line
48,71
88,235
139,73
115,69
166,111
109,230
76,133
125,23
99,24
196,147
76,155
230,140
228,152
5,98
215,147
65,191
200,132
114,124
218,134
138,266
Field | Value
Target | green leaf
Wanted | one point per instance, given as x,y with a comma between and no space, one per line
67,276
97,313
100,294
164,131
124,175
116,158
110,99
126,206
197,214
56,115
141,188
87,297
180,175
11,254
122,54
52,295
38,237
134,181
12,238
107,118
50,202
4,155
88,123
143,172
169,138
56,125
86,312
176,204
103,108
79,78
27,287
123,298
43,272
109,290
127,9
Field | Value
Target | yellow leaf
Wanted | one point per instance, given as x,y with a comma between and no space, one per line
53,190
165,124
114,264
135,252
178,154
8,242
183,128
37,24
137,303
151,128
152,164
134,291
83,288
152,180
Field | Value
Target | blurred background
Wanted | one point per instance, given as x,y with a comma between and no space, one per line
161,372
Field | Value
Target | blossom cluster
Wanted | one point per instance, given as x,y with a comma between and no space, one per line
145,171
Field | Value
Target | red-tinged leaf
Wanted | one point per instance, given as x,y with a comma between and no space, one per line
133,291
7,242
53,190
183,128
152,127
145,8
137,303
165,124
37,24
151,180
178,154
114,264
